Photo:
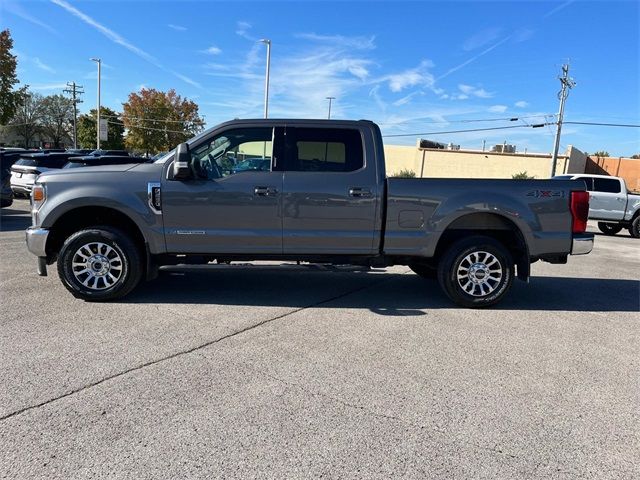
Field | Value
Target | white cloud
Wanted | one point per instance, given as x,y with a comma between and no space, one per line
242,29
521,104
120,40
481,39
178,28
407,99
474,91
48,86
212,50
18,11
360,43
474,58
498,108
411,77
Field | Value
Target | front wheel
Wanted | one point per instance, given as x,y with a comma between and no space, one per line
476,272
100,263
609,228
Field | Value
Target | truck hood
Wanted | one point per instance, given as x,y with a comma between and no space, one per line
90,170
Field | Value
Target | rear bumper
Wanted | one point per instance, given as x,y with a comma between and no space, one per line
37,240
582,244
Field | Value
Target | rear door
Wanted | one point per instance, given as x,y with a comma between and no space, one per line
330,192
607,201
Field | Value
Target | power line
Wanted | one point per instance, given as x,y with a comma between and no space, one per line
605,124
538,125
147,128
149,119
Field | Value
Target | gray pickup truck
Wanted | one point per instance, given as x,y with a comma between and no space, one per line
301,190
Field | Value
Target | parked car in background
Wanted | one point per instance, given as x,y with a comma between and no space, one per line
610,203
100,153
6,197
27,168
92,161
80,151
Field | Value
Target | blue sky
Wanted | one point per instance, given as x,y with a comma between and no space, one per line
413,67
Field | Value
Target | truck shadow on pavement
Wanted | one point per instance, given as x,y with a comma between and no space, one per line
394,294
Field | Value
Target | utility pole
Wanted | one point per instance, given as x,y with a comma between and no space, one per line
267,42
74,90
330,99
99,62
567,84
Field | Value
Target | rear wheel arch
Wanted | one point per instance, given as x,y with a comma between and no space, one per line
492,225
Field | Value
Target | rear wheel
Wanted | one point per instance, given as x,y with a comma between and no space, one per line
476,272
100,263
609,228
634,229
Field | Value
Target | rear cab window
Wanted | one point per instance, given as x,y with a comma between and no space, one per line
606,185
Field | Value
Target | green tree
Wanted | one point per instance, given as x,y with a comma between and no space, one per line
57,119
601,153
86,128
637,155
158,121
8,97
27,120
522,176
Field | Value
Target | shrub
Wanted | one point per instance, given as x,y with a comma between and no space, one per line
522,176
405,173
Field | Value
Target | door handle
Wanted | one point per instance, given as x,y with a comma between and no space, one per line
359,192
265,191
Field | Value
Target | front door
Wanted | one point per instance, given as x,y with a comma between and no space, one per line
232,203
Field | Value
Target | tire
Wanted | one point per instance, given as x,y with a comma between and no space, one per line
112,264
609,228
634,229
476,272
425,271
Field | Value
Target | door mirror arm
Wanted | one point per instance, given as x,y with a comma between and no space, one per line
182,162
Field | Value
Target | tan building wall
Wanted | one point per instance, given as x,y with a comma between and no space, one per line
437,163
627,168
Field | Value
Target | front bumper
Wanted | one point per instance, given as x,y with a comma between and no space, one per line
37,240
582,244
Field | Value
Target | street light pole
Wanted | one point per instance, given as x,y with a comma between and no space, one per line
99,62
266,77
330,98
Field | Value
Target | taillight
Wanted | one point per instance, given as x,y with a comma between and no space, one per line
579,211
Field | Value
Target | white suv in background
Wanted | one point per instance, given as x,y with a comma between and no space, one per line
610,203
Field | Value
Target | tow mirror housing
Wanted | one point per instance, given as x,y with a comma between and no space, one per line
181,168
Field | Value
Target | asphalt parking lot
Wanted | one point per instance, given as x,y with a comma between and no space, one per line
264,371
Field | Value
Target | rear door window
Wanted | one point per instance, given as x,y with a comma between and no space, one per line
607,185
324,150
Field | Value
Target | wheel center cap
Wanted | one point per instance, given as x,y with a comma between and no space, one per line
99,265
478,272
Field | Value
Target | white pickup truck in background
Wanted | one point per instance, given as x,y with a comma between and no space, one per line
610,203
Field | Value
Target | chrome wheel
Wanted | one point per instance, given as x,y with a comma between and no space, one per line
479,273
97,266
